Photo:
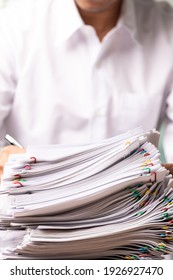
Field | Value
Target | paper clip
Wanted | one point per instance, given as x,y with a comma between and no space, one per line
165,227
163,235
147,169
135,193
20,180
167,199
148,192
170,203
146,163
142,151
155,176
165,215
146,203
33,159
146,154
27,167
143,249
134,257
162,246
168,232
140,213
142,204
17,176
155,192
169,238
128,258
128,143
19,183
165,209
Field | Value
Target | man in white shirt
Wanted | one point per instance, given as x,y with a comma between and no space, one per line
81,70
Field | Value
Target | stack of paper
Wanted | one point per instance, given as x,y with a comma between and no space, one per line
108,199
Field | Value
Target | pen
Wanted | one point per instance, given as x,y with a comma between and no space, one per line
12,141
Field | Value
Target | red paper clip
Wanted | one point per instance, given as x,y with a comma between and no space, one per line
146,154
34,159
155,178
17,182
27,167
17,176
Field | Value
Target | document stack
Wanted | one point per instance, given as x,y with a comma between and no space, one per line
109,199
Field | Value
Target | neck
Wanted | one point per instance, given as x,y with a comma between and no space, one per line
102,21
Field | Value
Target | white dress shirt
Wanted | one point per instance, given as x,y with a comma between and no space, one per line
60,84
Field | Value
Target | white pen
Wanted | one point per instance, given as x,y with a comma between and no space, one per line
12,141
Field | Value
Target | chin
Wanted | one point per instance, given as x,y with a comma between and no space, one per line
95,5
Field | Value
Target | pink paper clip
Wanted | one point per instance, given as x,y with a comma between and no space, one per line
33,159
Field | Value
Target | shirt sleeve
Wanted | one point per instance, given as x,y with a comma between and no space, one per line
168,129
7,76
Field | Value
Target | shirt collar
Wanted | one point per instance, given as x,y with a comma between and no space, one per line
67,20
128,19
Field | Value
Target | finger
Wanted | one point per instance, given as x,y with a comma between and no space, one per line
169,166
5,152
4,157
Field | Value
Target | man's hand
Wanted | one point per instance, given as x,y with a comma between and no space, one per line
4,154
169,166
